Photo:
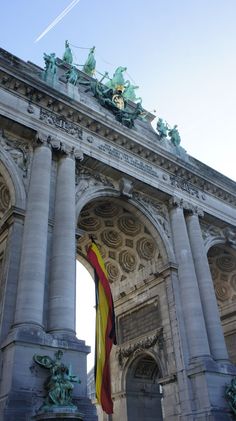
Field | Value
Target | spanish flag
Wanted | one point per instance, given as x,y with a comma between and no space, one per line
105,329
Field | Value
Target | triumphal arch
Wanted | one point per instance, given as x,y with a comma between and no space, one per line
80,158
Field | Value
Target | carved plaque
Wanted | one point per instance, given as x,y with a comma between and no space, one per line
139,322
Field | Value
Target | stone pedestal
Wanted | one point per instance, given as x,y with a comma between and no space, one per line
22,393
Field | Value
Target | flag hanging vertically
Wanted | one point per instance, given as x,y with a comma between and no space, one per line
105,329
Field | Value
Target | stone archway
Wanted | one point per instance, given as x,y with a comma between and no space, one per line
222,261
136,259
143,395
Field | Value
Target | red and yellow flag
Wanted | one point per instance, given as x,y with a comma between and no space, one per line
105,329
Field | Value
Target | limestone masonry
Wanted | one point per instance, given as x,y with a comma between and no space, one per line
72,167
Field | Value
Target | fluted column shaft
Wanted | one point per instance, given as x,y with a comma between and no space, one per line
63,276
189,292
207,293
31,282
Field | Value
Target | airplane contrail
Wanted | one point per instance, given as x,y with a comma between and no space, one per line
58,18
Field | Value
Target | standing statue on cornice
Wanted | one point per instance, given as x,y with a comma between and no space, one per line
90,64
174,135
67,56
72,75
129,92
50,63
162,128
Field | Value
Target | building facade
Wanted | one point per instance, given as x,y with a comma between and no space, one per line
72,166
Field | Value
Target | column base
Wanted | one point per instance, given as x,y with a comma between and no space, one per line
208,380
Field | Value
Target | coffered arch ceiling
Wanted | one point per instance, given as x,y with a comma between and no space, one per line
126,243
222,260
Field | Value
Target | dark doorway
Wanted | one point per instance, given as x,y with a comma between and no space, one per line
143,391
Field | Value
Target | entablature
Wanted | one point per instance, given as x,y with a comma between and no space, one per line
87,125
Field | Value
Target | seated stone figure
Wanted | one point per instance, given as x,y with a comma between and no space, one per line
59,385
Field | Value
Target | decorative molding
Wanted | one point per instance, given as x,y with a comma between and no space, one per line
182,184
143,344
60,122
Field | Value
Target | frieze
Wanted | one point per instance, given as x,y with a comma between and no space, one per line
124,157
61,123
156,209
125,352
182,184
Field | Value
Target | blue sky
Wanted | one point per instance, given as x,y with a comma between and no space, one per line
182,54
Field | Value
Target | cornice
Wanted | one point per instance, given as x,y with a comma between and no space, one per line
183,175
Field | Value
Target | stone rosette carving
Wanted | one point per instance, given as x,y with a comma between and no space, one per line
131,350
223,270
113,271
106,210
226,263
146,248
129,225
111,238
222,290
127,260
90,224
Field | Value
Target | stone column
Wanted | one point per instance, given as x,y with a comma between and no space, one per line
62,289
31,282
207,293
189,292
